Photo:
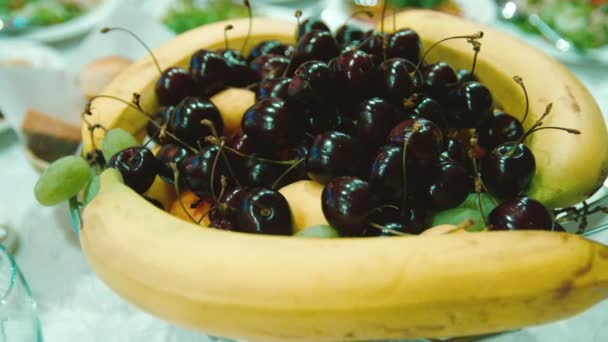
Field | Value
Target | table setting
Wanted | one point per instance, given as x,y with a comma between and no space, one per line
55,294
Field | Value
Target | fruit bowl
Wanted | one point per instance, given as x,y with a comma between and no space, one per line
270,288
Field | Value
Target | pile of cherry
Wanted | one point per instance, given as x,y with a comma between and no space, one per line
393,139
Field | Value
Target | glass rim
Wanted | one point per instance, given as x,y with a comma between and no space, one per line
14,272
15,276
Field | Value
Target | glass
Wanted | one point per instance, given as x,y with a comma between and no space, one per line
18,319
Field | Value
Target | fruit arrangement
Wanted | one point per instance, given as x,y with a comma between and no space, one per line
352,135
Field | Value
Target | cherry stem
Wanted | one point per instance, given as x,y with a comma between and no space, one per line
198,222
215,141
394,19
476,48
249,25
176,179
464,225
289,169
538,123
220,143
520,82
569,130
475,36
226,29
298,15
478,187
383,228
213,169
479,184
135,105
136,37
415,129
355,14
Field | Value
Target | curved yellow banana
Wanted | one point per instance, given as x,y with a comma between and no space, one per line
269,288
569,167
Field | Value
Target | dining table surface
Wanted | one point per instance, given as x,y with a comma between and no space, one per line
75,305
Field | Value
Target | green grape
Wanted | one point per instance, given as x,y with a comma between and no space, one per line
472,202
63,179
456,216
116,140
320,231
91,190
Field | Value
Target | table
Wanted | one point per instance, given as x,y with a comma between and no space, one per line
75,305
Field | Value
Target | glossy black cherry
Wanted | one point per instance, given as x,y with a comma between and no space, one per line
347,203
406,44
376,119
311,24
438,79
239,72
173,85
264,211
197,171
185,120
499,129
450,186
470,104
268,47
333,154
312,82
137,166
424,142
508,170
396,83
209,70
427,108
167,154
271,123
273,87
348,34
315,46
270,66
520,213
355,70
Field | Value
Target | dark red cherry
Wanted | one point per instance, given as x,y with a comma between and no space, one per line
333,154
423,145
429,109
323,118
197,171
409,221
223,214
376,119
270,122
273,87
311,24
406,44
315,46
499,129
374,44
465,75
438,79
185,120
270,66
347,203
455,151
508,170
470,104
239,73
264,211
348,34
386,177
167,154
173,85
354,72
396,83
137,166
450,186
312,82
155,123
268,47
520,213
209,70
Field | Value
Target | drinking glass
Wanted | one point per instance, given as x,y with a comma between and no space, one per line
18,318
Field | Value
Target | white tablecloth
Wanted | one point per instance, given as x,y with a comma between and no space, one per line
75,305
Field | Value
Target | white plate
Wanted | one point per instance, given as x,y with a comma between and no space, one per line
72,28
36,55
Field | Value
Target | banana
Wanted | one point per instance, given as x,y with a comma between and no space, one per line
269,288
569,168
304,199
264,288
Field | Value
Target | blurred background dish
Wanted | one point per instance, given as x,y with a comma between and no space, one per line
572,31
52,21
21,53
